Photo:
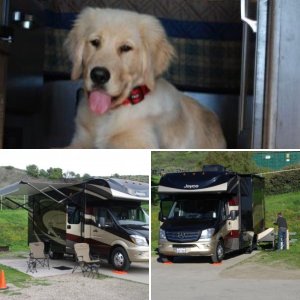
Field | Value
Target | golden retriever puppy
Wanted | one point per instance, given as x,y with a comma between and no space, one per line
121,56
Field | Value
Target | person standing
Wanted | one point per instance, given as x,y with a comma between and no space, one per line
282,230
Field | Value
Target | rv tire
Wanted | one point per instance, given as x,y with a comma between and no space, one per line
219,252
166,258
119,259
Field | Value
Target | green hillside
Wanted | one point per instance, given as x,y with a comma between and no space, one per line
289,205
172,160
239,161
14,224
9,175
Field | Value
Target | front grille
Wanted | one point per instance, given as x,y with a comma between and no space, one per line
183,236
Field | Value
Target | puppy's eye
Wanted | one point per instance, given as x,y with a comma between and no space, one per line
125,48
95,43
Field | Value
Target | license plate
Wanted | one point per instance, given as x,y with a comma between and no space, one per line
180,250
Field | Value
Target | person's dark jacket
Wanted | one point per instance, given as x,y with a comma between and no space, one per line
281,222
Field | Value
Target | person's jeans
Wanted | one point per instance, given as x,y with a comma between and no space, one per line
281,238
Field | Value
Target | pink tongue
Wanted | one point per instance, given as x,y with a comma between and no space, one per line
99,102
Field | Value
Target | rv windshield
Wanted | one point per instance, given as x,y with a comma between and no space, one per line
204,209
127,215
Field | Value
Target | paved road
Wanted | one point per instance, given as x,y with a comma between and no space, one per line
196,278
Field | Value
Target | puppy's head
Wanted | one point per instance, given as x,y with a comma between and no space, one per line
115,51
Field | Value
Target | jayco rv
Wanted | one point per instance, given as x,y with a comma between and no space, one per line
106,213
210,213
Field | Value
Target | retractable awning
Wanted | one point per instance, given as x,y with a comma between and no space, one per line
31,188
27,188
118,189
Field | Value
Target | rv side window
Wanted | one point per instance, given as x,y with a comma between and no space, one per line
126,215
103,217
166,207
73,215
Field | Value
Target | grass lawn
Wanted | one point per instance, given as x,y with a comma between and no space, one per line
154,228
15,277
289,205
14,229
289,259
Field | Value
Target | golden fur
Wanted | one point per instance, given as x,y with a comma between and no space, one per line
165,118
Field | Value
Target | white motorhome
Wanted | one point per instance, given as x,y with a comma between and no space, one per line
106,213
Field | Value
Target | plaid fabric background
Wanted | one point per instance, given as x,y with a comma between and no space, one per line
206,34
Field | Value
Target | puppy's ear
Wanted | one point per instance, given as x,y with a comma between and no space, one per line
162,55
159,48
74,45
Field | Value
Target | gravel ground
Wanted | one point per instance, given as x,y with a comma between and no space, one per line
77,287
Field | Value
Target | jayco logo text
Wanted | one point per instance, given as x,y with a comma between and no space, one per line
191,186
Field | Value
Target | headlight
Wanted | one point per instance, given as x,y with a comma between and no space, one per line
139,240
207,233
162,234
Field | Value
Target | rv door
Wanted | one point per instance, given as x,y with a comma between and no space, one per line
102,232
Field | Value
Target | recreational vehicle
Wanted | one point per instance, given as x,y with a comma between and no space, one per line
210,213
106,213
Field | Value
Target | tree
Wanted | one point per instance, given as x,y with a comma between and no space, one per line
86,176
43,173
69,175
55,173
32,170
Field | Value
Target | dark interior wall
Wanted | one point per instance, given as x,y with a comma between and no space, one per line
24,106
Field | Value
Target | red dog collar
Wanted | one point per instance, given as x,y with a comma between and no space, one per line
136,95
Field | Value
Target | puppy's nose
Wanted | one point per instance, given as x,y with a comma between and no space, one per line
100,75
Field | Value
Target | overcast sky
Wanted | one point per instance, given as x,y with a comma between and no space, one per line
94,162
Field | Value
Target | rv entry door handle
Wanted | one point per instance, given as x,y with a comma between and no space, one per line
68,226
251,23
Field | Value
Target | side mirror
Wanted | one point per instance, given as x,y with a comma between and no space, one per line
102,221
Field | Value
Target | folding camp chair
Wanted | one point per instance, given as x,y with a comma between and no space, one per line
37,256
87,265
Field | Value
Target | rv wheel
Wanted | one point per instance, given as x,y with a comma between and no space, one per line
119,259
164,258
219,252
